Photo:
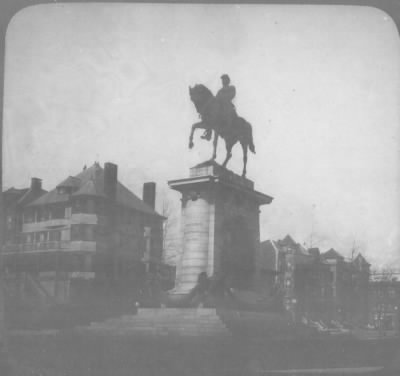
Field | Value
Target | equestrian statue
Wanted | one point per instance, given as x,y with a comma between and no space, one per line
218,114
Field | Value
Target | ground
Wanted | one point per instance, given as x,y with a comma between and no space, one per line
72,353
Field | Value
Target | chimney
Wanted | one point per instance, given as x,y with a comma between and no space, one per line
149,194
110,180
36,184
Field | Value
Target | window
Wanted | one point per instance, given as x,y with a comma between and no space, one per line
100,208
77,206
88,234
42,214
84,205
57,212
91,207
147,243
67,213
42,236
82,232
9,222
62,190
75,232
28,216
45,214
55,235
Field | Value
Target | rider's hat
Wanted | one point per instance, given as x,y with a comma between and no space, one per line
226,77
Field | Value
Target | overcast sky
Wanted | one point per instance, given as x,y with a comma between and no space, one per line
319,84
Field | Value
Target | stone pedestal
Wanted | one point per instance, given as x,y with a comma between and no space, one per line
220,226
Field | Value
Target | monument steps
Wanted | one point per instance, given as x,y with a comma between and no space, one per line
163,322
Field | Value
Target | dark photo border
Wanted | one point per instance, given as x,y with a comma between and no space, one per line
9,8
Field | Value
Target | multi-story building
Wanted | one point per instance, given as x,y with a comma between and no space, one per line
384,301
89,227
297,273
320,286
349,283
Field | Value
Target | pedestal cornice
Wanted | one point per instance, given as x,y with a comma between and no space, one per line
208,173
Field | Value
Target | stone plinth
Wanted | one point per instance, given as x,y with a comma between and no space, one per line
162,322
220,225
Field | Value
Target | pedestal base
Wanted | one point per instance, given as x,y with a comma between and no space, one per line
165,322
177,299
220,227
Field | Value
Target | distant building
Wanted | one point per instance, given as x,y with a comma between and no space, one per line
349,282
89,230
384,302
298,274
319,286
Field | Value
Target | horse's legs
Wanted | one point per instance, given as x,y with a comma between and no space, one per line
215,144
194,127
244,147
228,153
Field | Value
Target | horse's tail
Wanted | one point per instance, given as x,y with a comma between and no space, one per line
251,143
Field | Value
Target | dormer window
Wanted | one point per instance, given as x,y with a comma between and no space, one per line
62,190
68,186
77,206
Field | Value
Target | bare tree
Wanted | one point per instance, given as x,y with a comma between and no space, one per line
315,240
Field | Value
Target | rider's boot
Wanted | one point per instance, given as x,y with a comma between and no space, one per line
207,135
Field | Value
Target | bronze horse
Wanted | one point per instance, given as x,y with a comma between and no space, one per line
211,119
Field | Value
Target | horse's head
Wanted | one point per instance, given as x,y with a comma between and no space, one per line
199,95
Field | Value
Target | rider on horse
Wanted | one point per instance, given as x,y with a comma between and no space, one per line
226,109
219,115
